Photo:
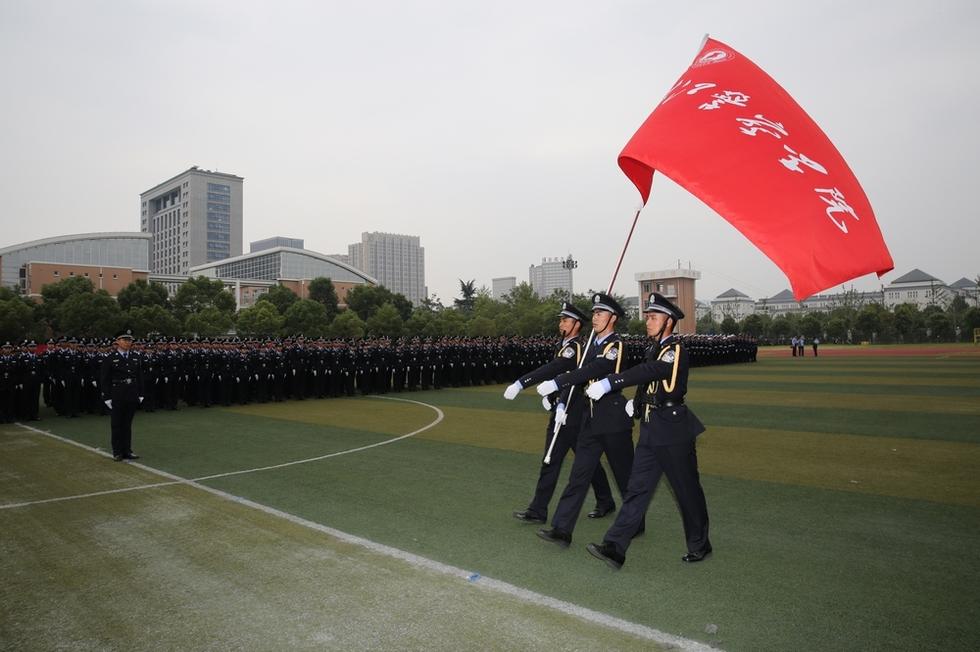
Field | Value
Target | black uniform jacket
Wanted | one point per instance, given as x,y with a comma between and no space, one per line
659,403
122,377
566,358
608,414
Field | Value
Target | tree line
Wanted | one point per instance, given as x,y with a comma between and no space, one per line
204,307
853,323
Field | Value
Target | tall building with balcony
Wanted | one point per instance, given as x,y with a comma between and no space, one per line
396,261
678,285
195,218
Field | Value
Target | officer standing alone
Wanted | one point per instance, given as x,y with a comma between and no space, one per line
667,434
122,392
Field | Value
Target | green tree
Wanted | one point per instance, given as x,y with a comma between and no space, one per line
141,293
971,320
729,326
366,299
146,319
811,326
199,294
481,327
55,294
706,325
89,314
16,319
836,328
780,329
347,324
323,292
467,296
306,317
909,323
939,327
208,322
260,320
754,326
385,322
279,296
868,322
418,322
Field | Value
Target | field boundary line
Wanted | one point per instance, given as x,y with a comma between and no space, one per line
416,561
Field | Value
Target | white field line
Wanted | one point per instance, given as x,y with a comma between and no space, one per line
590,615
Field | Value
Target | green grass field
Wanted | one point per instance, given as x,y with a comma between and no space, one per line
844,494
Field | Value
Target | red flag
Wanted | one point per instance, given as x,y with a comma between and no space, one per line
729,134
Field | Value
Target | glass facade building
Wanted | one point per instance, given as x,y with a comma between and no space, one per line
129,250
283,263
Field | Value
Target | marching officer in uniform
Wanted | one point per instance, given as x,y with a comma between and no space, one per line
122,392
605,426
668,429
566,358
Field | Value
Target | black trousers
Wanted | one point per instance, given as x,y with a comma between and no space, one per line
618,447
680,464
121,419
548,475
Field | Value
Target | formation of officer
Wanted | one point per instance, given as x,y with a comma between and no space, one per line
604,427
21,377
558,442
668,430
121,380
707,350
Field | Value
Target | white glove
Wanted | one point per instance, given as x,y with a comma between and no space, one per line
598,389
560,415
513,390
547,387
629,407
141,399
108,403
546,403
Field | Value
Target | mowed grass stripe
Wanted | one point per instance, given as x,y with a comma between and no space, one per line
886,466
850,378
883,466
819,418
790,396
220,575
848,386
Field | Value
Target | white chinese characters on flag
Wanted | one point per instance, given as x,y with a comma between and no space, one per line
729,134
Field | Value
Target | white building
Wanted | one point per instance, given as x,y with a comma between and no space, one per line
194,218
732,303
502,286
967,289
552,274
397,261
919,288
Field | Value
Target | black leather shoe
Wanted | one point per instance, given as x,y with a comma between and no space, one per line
607,553
131,456
556,536
599,512
527,516
693,557
118,458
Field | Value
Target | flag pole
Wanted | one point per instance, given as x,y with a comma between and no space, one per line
612,282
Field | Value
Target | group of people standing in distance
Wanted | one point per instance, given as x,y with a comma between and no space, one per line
798,345
582,388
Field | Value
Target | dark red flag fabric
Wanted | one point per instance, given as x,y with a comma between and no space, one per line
729,134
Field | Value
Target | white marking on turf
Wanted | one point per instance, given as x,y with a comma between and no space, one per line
641,631
440,416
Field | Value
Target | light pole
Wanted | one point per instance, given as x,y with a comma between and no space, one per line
569,264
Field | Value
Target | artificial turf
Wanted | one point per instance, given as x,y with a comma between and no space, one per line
844,507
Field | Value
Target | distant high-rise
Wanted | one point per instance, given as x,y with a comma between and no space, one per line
552,274
503,285
194,218
397,261
277,241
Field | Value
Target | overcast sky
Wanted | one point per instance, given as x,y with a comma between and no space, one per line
489,129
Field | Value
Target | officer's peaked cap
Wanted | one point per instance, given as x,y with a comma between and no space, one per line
124,335
602,301
569,310
657,302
